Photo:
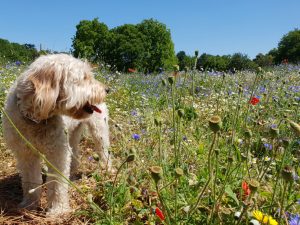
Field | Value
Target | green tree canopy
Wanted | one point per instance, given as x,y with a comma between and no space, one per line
16,52
289,47
91,40
147,45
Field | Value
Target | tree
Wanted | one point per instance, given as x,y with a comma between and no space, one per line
185,61
91,40
219,63
289,47
159,47
127,48
147,45
16,52
263,60
241,61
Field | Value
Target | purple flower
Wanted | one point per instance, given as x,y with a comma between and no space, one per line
294,220
18,63
90,158
134,113
268,146
136,137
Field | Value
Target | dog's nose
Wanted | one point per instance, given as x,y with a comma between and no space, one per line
107,90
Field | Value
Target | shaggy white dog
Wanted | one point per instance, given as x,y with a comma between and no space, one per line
50,103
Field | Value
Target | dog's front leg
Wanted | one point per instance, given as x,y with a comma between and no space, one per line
57,186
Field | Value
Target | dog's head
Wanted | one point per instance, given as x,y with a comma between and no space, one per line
59,84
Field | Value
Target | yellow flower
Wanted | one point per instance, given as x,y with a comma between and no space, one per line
264,219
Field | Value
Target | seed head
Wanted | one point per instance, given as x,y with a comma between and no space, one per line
215,123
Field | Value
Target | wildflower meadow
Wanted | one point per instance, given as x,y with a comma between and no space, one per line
189,147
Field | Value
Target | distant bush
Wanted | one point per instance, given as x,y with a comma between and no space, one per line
237,61
16,52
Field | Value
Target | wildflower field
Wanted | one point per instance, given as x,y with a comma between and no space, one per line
189,148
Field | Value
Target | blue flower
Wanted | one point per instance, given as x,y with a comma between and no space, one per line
294,220
268,146
136,137
18,63
134,113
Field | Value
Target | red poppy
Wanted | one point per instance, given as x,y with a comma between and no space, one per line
130,70
245,188
160,214
254,101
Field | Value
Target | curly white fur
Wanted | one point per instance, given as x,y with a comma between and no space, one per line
56,93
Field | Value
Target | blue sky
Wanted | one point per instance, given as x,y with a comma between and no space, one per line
210,26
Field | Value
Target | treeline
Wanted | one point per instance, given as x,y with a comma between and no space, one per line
16,52
146,46
288,51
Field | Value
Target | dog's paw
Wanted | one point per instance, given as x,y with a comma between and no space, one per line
53,211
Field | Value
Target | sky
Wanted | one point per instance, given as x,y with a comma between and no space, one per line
218,27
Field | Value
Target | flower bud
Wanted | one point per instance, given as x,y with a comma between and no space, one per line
178,172
295,127
287,174
217,151
156,173
285,142
215,123
157,121
130,158
180,113
253,185
274,132
230,159
171,80
248,133
96,157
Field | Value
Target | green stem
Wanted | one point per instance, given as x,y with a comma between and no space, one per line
209,175
111,209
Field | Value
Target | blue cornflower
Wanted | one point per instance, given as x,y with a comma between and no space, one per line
136,137
294,220
274,126
268,146
133,113
18,63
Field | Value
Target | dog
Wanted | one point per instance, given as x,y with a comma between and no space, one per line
50,103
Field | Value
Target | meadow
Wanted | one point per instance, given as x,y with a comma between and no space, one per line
189,147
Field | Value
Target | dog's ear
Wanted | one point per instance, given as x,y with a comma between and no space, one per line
45,82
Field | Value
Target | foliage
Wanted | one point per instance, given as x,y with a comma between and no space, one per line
91,40
264,60
144,46
185,61
208,62
240,61
289,47
12,52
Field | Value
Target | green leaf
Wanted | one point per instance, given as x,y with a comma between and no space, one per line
232,195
